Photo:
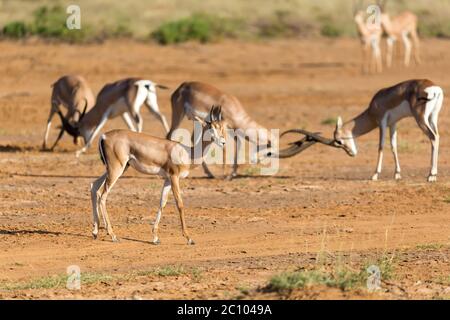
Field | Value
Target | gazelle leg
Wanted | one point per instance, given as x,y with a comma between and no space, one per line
416,44
380,151
163,201
175,180
49,124
129,122
111,178
393,136
408,46
155,111
95,196
93,135
377,55
390,51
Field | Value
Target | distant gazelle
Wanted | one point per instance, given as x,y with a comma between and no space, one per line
421,99
73,93
193,99
401,27
150,155
125,98
370,36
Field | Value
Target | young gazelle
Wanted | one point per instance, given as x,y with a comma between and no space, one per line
125,98
73,93
192,99
401,27
370,36
149,155
421,99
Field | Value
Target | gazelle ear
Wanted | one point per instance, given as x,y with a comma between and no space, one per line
339,123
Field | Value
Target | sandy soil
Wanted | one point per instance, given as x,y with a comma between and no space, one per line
248,229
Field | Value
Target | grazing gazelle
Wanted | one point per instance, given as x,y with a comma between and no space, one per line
370,36
193,99
401,27
149,155
125,98
73,93
421,99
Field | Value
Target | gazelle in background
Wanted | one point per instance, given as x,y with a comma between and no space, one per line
421,99
370,35
125,98
149,155
73,93
193,99
400,27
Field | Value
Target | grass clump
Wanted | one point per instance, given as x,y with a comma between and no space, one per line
342,278
198,27
15,29
55,282
170,271
329,121
282,24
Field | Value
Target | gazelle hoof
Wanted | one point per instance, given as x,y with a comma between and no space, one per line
397,176
156,242
94,235
432,178
375,177
190,242
114,238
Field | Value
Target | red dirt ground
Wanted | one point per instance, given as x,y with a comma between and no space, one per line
248,229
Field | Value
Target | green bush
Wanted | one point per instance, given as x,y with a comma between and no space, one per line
15,29
47,23
198,27
329,30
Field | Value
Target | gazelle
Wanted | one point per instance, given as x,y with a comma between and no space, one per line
149,155
421,99
125,98
73,93
401,27
370,36
192,99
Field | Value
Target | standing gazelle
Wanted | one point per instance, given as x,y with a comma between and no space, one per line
125,98
150,155
193,99
402,26
370,36
421,99
73,93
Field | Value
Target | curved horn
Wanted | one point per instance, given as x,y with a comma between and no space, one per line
84,110
311,136
73,131
294,149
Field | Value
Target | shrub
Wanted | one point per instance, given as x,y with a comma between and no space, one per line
15,29
282,24
330,30
198,27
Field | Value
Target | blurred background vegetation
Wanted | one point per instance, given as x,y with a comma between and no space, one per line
174,21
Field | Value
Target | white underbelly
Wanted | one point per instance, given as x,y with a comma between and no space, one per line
146,169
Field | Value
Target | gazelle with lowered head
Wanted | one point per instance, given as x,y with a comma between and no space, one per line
73,93
401,27
150,155
125,98
421,99
193,99
370,34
